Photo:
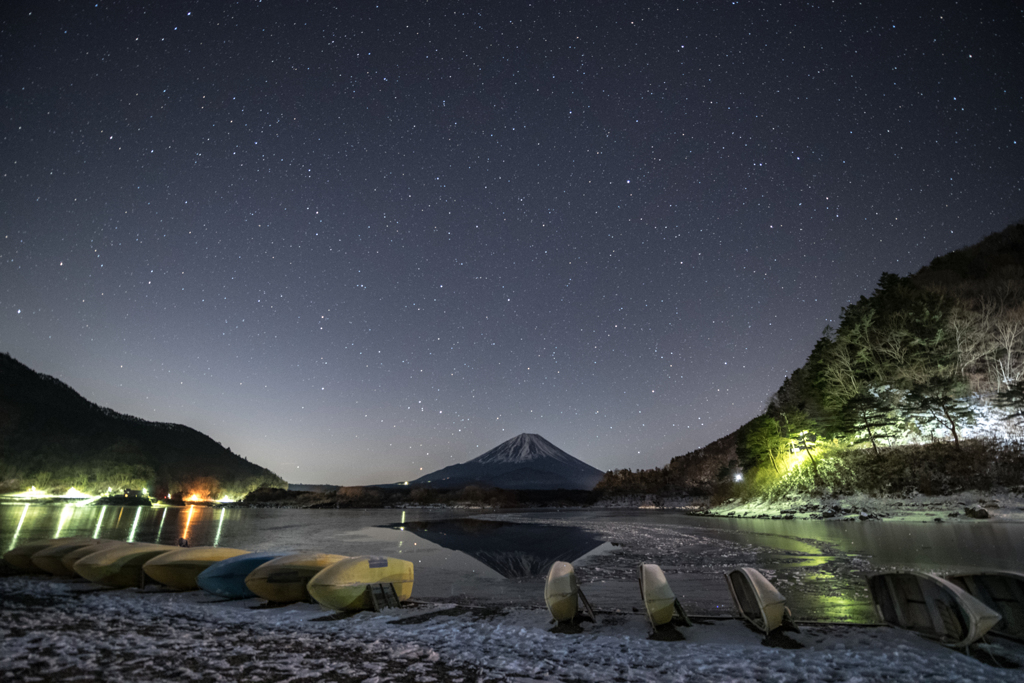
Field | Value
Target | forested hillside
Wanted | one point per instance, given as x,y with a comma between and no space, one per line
919,387
53,439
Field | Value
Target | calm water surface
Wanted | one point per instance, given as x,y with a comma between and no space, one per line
502,558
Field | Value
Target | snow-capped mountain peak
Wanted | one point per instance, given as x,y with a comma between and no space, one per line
524,448
527,461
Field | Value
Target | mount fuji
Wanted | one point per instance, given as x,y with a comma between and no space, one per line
527,461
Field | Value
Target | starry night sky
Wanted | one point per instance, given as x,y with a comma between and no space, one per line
352,240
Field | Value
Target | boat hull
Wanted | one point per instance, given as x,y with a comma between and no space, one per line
931,606
119,567
659,600
227,577
51,559
1001,591
561,594
20,558
75,555
343,585
284,580
756,599
180,568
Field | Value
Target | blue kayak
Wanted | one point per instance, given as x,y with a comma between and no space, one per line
226,578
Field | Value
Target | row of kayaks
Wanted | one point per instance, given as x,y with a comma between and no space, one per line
335,581
956,610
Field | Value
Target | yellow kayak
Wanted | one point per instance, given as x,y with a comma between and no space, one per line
179,568
51,559
343,585
68,561
20,558
119,566
284,579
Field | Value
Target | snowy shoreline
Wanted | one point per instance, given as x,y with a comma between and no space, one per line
63,630
963,507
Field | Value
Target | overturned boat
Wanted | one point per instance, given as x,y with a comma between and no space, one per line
931,606
562,595
51,558
180,568
226,579
659,600
75,555
1003,592
359,583
758,601
119,566
283,580
20,558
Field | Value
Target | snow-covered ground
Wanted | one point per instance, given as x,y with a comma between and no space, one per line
1003,505
58,630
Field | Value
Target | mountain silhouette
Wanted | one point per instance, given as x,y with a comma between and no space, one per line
524,462
53,438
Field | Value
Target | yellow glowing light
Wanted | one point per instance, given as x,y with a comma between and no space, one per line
188,521
32,493
65,514
99,522
14,541
225,499
75,493
135,524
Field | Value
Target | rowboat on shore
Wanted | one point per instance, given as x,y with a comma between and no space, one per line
75,555
931,606
359,583
659,600
226,578
20,558
119,566
283,580
562,595
180,568
757,600
1002,591
51,559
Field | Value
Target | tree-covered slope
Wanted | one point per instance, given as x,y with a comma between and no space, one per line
920,386
54,439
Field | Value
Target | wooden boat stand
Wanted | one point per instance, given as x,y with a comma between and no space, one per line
382,595
588,611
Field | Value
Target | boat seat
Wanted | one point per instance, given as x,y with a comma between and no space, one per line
952,623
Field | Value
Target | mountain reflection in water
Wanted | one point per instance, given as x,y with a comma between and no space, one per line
512,549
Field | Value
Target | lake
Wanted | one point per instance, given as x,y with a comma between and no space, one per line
501,558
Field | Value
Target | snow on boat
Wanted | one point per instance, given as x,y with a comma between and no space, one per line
931,606
359,583
68,561
179,568
119,566
20,558
51,559
758,601
1001,591
227,577
284,579
659,600
562,595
